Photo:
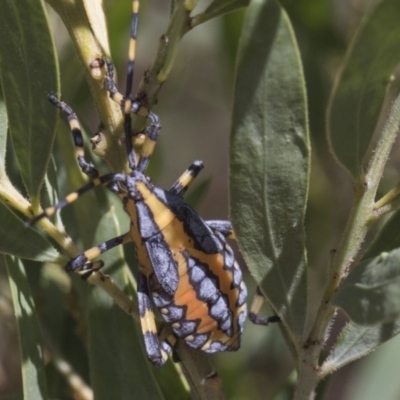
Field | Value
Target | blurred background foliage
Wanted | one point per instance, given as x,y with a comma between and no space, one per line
194,108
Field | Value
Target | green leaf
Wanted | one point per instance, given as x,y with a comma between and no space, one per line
28,71
371,292
218,8
97,20
224,6
388,237
270,156
196,194
377,376
359,92
119,350
32,359
357,341
20,241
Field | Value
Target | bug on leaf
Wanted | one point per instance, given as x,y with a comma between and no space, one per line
186,267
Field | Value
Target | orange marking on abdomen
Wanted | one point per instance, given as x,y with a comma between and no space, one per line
207,324
200,312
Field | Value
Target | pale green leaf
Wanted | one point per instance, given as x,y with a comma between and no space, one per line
371,292
32,359
357,341
28,71
270,156
377,376
97,20
360,90
21,241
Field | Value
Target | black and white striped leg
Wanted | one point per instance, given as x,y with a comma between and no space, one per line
183,182
135,106
129,107
101,180
83,262
258,301
87,167
152,132
157,352
132,48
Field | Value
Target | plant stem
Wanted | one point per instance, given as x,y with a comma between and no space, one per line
388,197
77,21
307,373
356,229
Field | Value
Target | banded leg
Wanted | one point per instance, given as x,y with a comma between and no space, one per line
83,262
183,182
258,301
157,352
100,180
86,167
132,48
134,107
130,106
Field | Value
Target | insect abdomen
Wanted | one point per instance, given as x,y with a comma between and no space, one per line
208,308
193,277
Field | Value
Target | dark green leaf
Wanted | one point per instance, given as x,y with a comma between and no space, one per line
357,341
32,360
270,155
371,292
196,194
359,93
225,6
28,72
20,241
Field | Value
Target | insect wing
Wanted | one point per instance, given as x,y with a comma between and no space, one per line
194,226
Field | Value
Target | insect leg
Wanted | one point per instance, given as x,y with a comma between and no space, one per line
156,352
130,106
152,133
83,261
86,167
184,181
132,47
110,82
126,102
134,107
101,180
258,301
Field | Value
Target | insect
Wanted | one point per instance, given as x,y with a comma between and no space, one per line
185,264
